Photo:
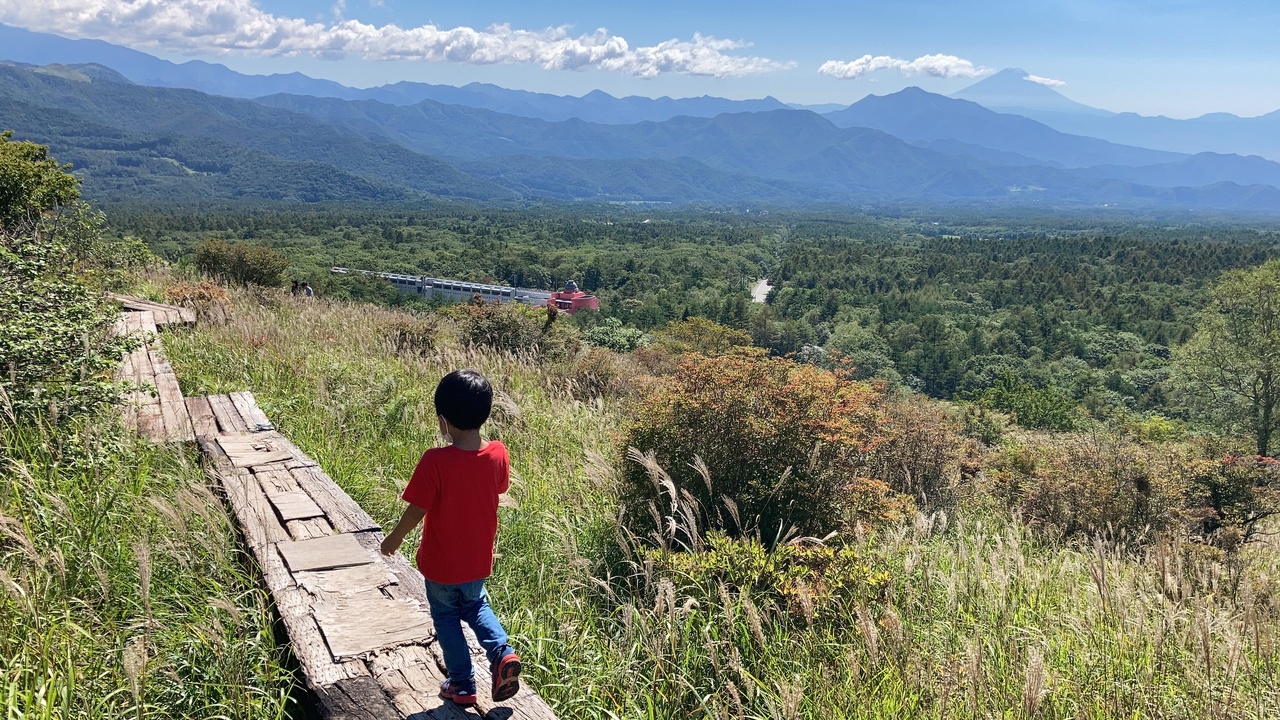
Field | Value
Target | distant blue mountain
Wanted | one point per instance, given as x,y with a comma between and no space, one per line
42,49
915,115
1012,91
1009,92
132,141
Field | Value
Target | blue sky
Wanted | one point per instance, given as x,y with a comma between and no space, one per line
1174,57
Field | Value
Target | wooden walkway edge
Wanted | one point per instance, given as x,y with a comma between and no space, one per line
357,620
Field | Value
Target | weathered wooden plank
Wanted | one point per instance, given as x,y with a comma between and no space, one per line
344,514
307,643
150,423
323,553
173,409
253,415
257,520
202,420
354,578
411,677
301,459
147,323
125,372
276,478
356,624
144,368
253,450
295,505
354,699
228,417
310,528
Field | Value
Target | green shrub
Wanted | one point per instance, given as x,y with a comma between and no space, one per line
611,334
1074,485
512,327
597,372
755,444
244,263
57,348
31,182
814,581
1230,498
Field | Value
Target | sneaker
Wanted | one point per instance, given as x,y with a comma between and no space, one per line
506,677
450,691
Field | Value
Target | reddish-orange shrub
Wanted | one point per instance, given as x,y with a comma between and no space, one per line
782,445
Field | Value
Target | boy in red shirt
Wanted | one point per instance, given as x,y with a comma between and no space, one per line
455,490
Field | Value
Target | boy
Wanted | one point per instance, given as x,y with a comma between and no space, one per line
455,489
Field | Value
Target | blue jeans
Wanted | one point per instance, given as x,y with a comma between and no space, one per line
450,606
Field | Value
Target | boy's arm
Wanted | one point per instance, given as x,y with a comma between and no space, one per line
408,521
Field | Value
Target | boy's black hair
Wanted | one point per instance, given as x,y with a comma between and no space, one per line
464,398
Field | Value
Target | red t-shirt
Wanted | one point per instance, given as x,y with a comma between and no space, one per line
459,490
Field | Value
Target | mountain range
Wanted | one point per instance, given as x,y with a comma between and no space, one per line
132,135
1010,91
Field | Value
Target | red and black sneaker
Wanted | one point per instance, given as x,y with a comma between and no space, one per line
506,677
450,691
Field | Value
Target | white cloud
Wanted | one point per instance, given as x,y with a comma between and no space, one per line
226,26
1048,82
940,66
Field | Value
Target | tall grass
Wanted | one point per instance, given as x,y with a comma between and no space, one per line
122,591
978,618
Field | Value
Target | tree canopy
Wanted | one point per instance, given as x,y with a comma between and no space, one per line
1233,360
31,181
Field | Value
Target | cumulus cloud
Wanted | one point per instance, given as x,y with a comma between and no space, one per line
226,26
940,66
1048,82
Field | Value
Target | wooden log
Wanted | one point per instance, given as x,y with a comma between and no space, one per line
202,420
150,423
354,699
228,417
344,514
173,408
253,415
147,323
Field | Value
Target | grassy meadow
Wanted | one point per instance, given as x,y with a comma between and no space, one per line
123,592
965,613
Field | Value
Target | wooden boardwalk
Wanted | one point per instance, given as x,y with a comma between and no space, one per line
163,314
154,408
358,621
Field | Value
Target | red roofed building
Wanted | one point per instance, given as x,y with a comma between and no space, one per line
571,299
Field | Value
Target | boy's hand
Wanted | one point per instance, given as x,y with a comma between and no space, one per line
389,545
411,517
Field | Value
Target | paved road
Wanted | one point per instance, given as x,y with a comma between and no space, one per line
760,290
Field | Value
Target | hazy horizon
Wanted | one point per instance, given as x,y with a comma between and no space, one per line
1179,59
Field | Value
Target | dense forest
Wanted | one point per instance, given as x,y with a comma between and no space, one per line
1001,311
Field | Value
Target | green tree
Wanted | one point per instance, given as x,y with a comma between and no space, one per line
30,181
1233,360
